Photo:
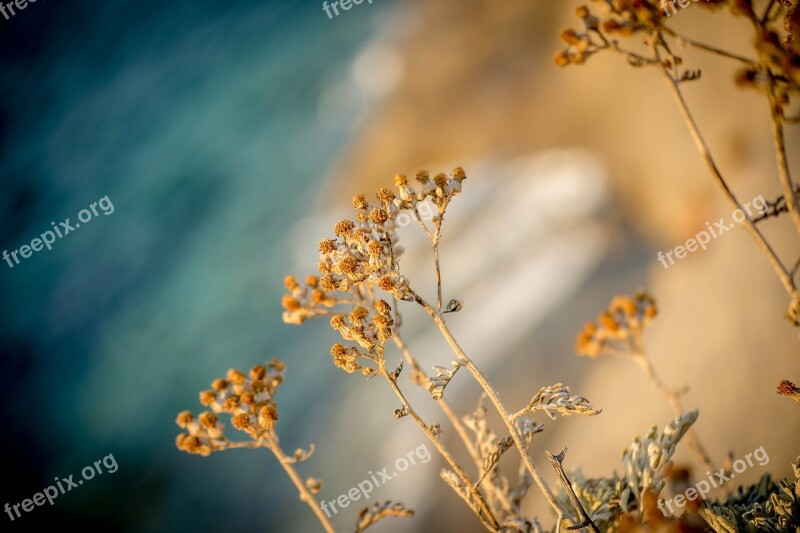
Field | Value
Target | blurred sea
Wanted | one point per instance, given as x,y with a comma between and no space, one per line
201,121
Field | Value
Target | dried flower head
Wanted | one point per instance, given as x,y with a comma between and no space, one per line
619,328
787,388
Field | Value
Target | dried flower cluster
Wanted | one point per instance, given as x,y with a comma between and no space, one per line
617,327
365,249
305,301
370,329
787,388
248,399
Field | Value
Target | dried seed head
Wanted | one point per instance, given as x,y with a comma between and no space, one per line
236,377
570,36
423,176
290,303
337,322
358,313
400,180
327,246
343,227
349,265
387,284
327,283
267,416
374,248
561,59
230,403
184,418
241,421
247,398
360,201
290,282
382,307
312,281
787,388
219,384
379,216
385,195
608,322
207,397
318,297
208,420
258,372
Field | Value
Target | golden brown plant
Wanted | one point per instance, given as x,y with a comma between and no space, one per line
619,331
775,71
360,267
248,400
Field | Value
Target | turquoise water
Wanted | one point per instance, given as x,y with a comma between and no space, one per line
199,121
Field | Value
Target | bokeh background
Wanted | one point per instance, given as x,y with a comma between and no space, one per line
230,136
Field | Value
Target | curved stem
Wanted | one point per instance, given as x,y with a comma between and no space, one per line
305,494
673,399
702,147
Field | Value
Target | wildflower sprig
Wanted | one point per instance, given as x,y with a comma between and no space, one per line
248,401
789,389
360,260
619,331
775,71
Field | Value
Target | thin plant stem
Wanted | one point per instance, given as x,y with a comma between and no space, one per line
434,237
249,444
438,273
635,351
480,508
435,243
778,139
673,400
702,147
271,442
443,404
707,47
586,520
495,399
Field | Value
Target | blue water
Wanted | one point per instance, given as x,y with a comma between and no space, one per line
198,119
